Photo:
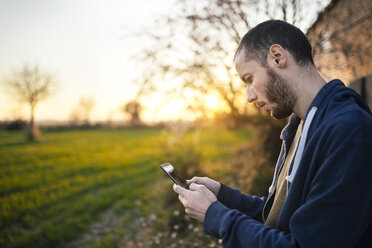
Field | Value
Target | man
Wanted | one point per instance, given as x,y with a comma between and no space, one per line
321,195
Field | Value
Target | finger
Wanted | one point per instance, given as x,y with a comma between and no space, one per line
194,180
179,190
193,214
196,187
182,199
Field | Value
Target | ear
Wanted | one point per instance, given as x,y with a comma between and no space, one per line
277,56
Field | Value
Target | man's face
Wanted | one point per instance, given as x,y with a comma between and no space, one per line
265,87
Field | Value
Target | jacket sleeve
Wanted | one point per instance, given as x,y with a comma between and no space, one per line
247,204
234,199
239,230
336,211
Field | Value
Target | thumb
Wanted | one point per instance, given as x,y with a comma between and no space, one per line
179,190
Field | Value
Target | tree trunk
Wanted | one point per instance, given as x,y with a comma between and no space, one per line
32,111
32,133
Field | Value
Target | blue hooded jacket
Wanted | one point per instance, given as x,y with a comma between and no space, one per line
329,183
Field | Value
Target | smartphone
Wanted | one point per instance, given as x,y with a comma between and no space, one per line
172,173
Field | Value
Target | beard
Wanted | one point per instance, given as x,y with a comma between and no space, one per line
279,93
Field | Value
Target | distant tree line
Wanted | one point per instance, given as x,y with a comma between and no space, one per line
31,86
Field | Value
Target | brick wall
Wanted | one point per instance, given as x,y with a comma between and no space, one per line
342,40
342,44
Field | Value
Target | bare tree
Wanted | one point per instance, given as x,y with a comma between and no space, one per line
196,52
86,105
133,108
30,86
82,112
198,46
75,117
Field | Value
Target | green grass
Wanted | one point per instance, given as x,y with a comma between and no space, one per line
52,190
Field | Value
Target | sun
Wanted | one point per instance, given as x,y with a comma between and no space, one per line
211,102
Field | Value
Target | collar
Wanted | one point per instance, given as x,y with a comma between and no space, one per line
290,129
325,93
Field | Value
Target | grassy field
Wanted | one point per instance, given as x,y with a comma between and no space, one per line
91,188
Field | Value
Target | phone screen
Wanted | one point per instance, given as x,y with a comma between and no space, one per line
172,173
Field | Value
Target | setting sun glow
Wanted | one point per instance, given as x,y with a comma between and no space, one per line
211,102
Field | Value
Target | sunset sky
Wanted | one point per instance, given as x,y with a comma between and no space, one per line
84,44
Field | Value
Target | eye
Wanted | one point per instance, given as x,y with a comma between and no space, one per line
248,79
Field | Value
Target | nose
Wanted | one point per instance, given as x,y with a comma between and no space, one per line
251,96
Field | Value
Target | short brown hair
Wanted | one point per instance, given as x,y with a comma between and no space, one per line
257,41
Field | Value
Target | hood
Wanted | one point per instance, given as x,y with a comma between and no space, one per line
336,91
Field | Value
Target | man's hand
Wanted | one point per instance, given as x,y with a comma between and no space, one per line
211,184
196,200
